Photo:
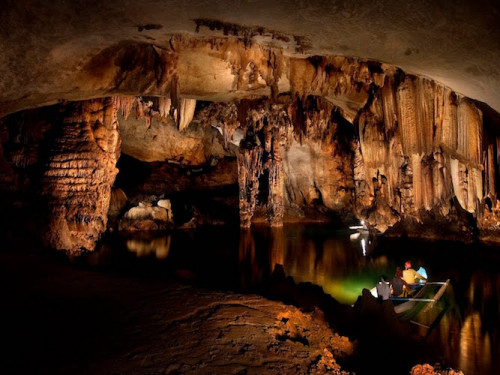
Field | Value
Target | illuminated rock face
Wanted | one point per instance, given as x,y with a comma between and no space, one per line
259,159
152,130
408,152
304,139
80,172
421,146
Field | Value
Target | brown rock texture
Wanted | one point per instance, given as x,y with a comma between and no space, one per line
260,163
427,369
225,333
134,325
318,137
249,170
80,173
117,202
318,163
151,132
421,146
86,45
146,217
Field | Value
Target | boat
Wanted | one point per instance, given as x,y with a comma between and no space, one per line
426,296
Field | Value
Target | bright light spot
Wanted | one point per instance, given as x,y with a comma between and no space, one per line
362,222
363,245
354,236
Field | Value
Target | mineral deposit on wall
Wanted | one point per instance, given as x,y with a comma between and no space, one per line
309,138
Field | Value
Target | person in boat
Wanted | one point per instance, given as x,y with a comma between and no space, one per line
399,287
423,273
410,275
383,288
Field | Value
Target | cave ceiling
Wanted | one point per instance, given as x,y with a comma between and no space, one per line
72,50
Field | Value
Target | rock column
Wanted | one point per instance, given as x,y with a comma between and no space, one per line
260,158
275,203
249,170
80,172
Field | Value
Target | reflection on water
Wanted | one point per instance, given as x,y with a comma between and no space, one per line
467,333
463,326
158,247
336,263
475,345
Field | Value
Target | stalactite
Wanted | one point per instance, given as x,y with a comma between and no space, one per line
184,113
345,82
79,175
469,131
223,116
490,185
161,107
164,105
415,149
275,203
249,170
126,104
427,142
270,123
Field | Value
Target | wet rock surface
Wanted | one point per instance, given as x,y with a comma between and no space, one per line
427,369
102,324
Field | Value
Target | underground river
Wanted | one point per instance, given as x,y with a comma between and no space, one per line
462,331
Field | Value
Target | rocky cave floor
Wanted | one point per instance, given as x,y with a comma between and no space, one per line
59,317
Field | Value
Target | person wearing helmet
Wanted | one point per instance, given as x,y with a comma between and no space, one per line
410,275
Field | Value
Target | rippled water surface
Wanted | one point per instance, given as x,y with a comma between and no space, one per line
463,326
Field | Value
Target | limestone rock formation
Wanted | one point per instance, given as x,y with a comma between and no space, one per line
146,217
421,146
304,138
42,64
79,174
427,369
149,132
165,203
117,202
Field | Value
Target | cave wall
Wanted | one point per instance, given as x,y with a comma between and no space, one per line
398,151
304,139
422,151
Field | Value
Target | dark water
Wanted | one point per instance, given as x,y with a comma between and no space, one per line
462,330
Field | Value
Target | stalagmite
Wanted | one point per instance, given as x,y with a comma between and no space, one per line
80,172
256,161
275,203
249,170
317,136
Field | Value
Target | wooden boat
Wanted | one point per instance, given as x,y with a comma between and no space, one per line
418,308
426,295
